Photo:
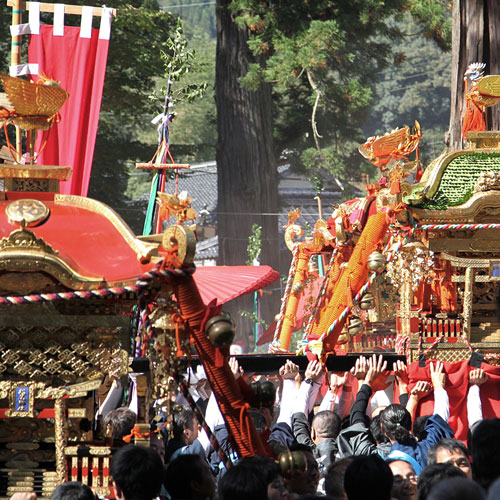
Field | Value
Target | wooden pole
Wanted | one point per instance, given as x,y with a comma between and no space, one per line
15,59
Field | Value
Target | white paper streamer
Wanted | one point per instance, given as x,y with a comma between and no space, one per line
105,28
23,69
58,19
34,18
86,24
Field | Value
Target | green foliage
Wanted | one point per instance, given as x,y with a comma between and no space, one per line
327,57
254,245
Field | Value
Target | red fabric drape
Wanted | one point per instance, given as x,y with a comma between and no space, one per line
457,386
79,64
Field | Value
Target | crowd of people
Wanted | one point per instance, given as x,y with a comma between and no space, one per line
334,436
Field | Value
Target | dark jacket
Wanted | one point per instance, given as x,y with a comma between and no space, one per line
324,452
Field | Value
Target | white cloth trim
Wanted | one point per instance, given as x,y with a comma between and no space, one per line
474,405
441,403
288,395
86,24
58,19
20,29
112,400
23,69
34,18
105,28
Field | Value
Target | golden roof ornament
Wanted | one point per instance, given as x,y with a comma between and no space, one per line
35,105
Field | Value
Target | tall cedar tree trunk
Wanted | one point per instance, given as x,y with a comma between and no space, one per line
247,188
476,37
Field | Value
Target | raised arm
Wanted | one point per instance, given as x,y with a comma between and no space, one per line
441,401
477,377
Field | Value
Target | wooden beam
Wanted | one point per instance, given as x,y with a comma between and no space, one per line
49,7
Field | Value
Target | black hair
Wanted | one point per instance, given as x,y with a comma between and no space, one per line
368,477
183,419
258,419
419,427
450,444
376,431
268,469
242,483
457,488
72,490
327,424
334,478
138,472
432,475
180,472
485,451
395,421
121,421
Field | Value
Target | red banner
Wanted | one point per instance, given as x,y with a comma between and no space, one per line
79,64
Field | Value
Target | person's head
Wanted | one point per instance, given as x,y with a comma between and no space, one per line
325,424
376,431
368,477
270,471
432,475
485,451
189,477
419,427
451,451
334,479
72,490
242,483
137,473
303,482
395,421
118,423
456,488
405,480
185,425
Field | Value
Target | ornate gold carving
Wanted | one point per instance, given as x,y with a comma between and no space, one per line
61,438
21,401
10,170
184,239
487,181
28,210
77,413
479,205
100,451
23,239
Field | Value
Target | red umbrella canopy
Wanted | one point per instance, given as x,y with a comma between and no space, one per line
226,283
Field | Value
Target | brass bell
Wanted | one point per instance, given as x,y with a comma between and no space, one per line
355,325
312,265
367,302
292,461
220,331
376,261
298,287
343,338
264,394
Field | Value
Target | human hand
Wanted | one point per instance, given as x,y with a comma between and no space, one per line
235,368
375,376
438,376
289,370
360,368
337,380
401,374
421,389
314,370
477,377
24,496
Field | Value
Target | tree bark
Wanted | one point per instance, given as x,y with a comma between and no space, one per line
246,169
475,37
